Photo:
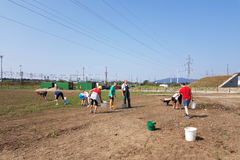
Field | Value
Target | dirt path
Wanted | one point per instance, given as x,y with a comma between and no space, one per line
74,133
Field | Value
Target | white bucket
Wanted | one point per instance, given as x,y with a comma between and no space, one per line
193,105
65,98
104,104
190,133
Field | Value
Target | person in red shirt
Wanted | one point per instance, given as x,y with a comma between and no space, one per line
186,97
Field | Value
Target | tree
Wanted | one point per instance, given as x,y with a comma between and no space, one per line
145,82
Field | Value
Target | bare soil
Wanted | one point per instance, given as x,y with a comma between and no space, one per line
75,133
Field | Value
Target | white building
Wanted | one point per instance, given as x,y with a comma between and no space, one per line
238,82
163,85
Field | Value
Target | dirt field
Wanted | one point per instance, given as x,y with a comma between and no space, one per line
42,130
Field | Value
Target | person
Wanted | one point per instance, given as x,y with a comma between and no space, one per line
126,93
186,97
57,94
94,98
43,94
85,98
176,101
112,95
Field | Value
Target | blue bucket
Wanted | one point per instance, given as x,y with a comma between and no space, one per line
66,102
82,96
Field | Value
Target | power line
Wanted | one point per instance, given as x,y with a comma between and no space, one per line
150,29
82,33
114,26
76,42
112,41
137,26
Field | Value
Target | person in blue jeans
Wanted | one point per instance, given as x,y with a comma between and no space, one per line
186,97
112,95
57,94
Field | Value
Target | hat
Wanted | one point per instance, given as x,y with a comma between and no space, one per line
100,87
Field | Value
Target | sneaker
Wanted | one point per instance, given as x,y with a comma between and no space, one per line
95,112
185,114
57,104
173,108
82,104
88,106
180,108
112,107
91,111
188,116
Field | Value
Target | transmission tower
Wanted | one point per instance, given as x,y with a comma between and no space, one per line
189,67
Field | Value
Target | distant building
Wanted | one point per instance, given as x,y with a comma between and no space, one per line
163,85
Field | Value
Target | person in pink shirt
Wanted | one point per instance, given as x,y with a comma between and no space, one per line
186,97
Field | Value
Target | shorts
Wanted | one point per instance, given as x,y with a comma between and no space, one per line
174,100
60,94
179,99
44,93
186,102
92,101
111,97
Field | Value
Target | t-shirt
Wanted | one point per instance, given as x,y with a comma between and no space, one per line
186,93
97,90
57,93
124,86
113,91
175,96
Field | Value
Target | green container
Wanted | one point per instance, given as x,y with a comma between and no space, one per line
47,85
87,85
65,85
151,125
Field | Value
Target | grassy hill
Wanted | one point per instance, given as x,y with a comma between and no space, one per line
214,81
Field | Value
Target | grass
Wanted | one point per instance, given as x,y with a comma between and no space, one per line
19,103
210,81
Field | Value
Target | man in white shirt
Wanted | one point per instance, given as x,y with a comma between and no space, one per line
126,93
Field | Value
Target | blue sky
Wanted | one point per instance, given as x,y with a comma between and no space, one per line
132,38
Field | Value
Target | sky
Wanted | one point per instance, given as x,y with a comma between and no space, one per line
134,39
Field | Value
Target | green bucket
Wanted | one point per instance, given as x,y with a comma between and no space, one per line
151,125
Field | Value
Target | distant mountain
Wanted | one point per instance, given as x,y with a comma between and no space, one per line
180,80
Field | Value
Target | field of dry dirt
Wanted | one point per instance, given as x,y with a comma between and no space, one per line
75,133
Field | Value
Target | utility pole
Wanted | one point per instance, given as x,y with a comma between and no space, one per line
189,67
106,76
227,69
177,75
170,78
212,72
116,77
77,76
131,78
1,56
11,73
20,73
83,73
206,73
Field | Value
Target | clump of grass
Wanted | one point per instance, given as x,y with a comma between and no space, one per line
54,135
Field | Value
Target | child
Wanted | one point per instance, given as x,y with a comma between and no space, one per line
57,94
176,100
43,94
112,95
85,98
